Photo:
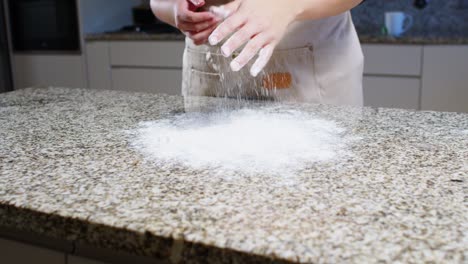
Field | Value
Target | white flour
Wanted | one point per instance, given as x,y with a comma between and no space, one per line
257,141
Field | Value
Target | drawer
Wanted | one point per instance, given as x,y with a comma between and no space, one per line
167,81
402,60
165,54
392,92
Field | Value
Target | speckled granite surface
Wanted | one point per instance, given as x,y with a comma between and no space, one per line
365,38
134,37
67,171
413,40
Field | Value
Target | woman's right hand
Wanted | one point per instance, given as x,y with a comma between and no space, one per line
196,25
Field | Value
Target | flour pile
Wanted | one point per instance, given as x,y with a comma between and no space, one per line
255,140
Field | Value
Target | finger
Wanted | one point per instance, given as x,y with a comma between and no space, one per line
194,17
237,40
250,50
226,28
197,3
263,57
201,37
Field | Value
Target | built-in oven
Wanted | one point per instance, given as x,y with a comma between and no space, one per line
44,25
6,83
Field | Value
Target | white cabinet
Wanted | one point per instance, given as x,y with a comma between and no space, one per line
141,66
400,60
164,54
167,81
12,252
445,78
392,92
98,61
49,70
392,76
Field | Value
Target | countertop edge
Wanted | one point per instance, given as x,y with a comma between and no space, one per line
84,235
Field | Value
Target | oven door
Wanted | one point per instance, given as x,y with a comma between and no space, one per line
44,25
5,69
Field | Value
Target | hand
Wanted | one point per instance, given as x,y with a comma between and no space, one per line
259,23
196,25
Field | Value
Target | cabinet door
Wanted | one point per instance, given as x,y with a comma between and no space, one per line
445,78
49,70
401,60
165,54
98,61
167,81
391,92
12,252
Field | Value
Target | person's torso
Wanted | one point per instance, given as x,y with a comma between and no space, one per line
322,57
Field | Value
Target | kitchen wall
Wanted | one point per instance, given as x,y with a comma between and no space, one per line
439,18
104,15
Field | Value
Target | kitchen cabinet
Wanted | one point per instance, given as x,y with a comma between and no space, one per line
165,54
401,92
166,81
392,60
445,78
98,61
392,75
142,66
49,70
12,252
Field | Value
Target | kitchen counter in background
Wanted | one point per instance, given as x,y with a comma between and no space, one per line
365,38
67,172
413,40
134,37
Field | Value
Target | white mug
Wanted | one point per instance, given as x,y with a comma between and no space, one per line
397,23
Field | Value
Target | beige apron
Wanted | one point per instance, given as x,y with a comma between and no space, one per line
322,61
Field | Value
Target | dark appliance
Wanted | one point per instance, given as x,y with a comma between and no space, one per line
5,69
44,25
144,21
143,15
420,4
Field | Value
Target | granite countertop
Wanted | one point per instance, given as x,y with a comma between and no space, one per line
67,171
365,38
414,40
134,37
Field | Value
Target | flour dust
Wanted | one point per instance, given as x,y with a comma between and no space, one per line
261,140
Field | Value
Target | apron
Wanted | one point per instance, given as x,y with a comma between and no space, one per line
317,61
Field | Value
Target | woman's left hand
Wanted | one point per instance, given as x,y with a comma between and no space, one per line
259,23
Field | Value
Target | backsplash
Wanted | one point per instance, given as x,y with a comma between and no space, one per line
439,18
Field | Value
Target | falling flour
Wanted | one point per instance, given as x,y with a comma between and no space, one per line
246,140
